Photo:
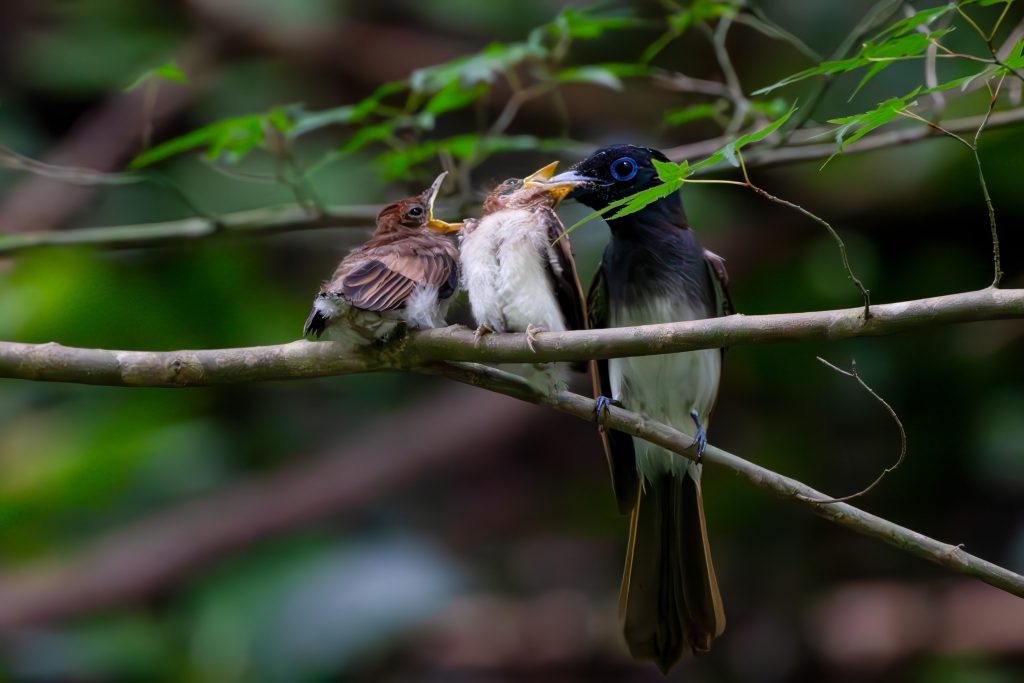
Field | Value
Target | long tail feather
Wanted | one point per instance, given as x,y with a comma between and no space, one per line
670,593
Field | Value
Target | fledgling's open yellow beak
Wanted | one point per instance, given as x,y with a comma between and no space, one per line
431,196
542,178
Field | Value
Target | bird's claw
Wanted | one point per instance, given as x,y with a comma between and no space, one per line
700,439
481,330
601,405
531,335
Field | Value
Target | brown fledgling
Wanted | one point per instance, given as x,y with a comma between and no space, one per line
406,272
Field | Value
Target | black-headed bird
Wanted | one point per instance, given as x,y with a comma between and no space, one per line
655,271
406,272
517,266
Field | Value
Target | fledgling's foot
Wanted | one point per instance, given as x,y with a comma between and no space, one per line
481,330
700,439
531,335
601,405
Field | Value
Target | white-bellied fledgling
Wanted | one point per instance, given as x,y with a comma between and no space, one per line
517,266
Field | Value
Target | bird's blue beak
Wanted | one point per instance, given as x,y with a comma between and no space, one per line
581,184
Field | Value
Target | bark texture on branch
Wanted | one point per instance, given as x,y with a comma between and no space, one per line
303,359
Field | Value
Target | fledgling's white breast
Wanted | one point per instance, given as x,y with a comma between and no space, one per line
665,387
505,265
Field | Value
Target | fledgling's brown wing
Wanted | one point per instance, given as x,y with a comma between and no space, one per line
385,275
563,274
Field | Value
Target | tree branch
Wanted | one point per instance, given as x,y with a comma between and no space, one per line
255,222
303,359
295,218
946,555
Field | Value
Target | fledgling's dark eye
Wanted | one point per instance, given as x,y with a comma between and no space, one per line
414,212
624,168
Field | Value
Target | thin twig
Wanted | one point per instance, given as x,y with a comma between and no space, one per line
852,372
866,293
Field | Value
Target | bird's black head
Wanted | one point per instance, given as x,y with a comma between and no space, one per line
615,172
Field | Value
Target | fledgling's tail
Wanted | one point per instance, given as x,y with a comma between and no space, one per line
317,321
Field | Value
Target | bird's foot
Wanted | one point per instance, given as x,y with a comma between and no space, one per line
531,335
481,330
601,405
700,439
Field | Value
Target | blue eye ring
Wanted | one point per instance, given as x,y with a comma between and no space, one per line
627,164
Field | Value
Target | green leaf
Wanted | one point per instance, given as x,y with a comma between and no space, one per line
896,46
230,138
585,25
483,67
825,68
1015,60
590,74
921,18
729,152
641,199
864,123
698,11
398,163
368,134
453,96
168,71
696,112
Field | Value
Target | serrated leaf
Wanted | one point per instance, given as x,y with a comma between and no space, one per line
729,151
896,46
641,199
670,172
921,18
863,123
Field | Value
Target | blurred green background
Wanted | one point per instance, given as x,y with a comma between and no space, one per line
399,528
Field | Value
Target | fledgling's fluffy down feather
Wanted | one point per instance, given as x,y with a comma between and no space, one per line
518,268
506,257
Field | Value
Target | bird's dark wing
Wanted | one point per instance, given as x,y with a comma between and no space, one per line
388,274
618,446
720,281
562,271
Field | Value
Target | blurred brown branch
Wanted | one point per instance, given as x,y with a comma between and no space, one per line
451,429
259,221
303,359
294,218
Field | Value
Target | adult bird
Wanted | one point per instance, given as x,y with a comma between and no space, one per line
517,266
406,272
654,271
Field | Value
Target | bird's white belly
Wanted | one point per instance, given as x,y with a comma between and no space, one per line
666,387
504,271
